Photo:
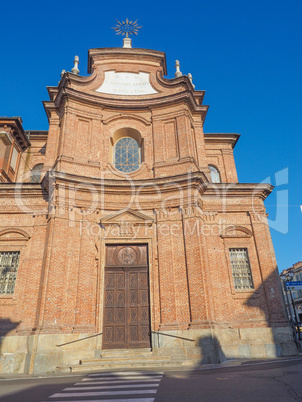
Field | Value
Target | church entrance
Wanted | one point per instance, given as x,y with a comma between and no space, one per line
126,298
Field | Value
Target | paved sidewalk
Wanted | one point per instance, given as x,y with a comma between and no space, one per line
198,367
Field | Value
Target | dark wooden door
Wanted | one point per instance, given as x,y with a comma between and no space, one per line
126,298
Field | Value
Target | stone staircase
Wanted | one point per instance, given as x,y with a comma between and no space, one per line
123,359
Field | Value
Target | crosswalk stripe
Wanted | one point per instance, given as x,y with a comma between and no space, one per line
115,386
128,386
113,400
125,373
123,378
101,393
113,382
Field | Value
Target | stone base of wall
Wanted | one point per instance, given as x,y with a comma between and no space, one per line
41,354
212,346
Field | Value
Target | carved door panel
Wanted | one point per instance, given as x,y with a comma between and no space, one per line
126,301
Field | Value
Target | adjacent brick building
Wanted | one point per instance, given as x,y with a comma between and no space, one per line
126,220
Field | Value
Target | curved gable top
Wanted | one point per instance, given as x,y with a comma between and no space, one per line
13,234
236,231
103,55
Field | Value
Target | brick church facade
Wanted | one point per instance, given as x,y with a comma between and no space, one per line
124,227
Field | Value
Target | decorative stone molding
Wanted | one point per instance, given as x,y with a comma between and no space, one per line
193,210
12,234
236,231
129,216
227,151
143,167
127,116
209,216
171,214
259,217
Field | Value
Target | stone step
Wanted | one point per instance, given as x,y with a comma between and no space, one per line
125,364
128,358
119,352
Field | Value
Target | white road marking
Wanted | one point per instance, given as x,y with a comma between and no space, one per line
128,386
125,373
100,382
115,386
113,400
142,377
121,378
77,394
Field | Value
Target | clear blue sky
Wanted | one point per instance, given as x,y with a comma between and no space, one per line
246,54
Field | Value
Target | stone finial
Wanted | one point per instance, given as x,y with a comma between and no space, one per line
191,79
127,43
62,73
178,73
75,69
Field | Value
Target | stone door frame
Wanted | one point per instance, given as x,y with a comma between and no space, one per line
154,303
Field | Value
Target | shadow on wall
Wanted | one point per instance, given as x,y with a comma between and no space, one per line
255,343
268,298
211,352
6,326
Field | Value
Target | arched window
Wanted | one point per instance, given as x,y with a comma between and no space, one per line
127,155
36,173
215,175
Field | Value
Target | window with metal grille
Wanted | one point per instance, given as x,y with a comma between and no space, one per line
241,269
9,262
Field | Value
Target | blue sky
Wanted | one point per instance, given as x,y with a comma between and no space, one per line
246,54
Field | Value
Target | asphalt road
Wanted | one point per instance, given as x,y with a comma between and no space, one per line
249,381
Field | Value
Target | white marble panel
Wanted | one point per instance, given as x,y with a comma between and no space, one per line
126,84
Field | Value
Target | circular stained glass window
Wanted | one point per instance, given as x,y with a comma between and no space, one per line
127,156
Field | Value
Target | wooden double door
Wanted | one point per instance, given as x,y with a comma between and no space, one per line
126,298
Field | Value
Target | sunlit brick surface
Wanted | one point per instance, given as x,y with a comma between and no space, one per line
62,227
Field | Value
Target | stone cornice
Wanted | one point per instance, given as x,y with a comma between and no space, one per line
52,92
226,138
11,190
49,106
37,134
261,190
195,181
182,81
129,104
124,186
13,126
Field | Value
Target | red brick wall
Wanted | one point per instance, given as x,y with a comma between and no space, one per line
60,279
